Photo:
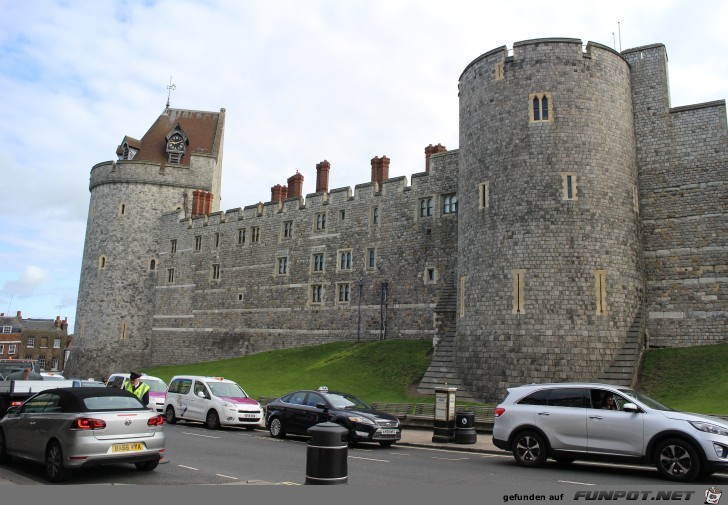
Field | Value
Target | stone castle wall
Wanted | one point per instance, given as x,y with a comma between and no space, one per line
251,308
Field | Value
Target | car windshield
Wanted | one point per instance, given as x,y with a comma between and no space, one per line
229,389
155,385
347,401
646,400
101,403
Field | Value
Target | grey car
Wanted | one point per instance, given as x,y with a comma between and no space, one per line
79,427
569,421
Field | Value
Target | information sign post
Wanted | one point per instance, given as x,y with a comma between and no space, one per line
444,415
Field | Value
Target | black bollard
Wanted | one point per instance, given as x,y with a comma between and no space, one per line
465,428
326,455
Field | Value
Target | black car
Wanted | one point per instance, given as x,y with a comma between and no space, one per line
296,412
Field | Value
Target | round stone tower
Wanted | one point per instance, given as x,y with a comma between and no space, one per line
549,271
162,172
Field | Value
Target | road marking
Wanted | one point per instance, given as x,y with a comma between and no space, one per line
574,482
451,459
226,476
189,467
370,459
199,435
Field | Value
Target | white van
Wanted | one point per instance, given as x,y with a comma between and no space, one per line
157,388
215,401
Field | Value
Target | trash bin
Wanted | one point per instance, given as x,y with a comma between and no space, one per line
465,428
326,454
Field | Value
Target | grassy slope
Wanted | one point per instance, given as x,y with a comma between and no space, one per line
376,371
693,379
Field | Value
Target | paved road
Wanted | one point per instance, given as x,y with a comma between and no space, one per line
196,455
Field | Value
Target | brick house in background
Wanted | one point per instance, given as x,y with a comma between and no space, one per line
38,339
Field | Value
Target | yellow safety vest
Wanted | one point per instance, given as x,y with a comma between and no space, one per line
138,392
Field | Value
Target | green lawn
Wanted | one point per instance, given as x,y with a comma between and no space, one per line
386,371
694,379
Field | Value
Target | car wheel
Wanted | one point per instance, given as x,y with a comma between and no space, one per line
386,443
147,466
169,415
4,457
55,470
276,428
529,449
213,420
677,460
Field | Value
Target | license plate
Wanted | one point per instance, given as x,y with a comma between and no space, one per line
250,415
388,432
127,447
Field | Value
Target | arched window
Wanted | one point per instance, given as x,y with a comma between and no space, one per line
536,109
152,265
545,108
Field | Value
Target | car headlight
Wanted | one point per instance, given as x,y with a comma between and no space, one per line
229,405
709,428
362,420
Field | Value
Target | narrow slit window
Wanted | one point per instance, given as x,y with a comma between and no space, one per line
569,186
215,272
484,195
600,290
170,275
519,285
536,109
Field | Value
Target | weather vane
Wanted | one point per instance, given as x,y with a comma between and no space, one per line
170,88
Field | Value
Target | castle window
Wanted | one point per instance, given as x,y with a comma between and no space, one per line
484,195
450,204
345,260
173,246
216,272
371,258
175,158
31,342
198,242
241,236
344,293
600,290
375,216
287,230
430,275
635,199
519,286
217,240
541,109
56,343
102,262
170,275
123,331
462,296
152,265
283,265
316,293
500,71
320,223
122,209
255,234
240,297
342,214
318,262
426,207
568,186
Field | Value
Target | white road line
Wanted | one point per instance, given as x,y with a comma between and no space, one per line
370,459
198,435
189,467
451,459
574,482
226,476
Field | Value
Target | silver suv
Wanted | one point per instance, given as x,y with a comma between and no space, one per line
569,421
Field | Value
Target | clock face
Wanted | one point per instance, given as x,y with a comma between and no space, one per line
176,143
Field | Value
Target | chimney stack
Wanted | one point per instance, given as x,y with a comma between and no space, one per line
57,322
380,169
295,185
276,193
322,176
19,315
429,151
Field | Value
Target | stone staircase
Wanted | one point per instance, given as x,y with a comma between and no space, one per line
441,372
624,369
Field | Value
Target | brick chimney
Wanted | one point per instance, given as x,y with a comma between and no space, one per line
284,192
322,176
57,322
208,203
64,324
295,185
196,211
19,315
429,151
276,193
380,169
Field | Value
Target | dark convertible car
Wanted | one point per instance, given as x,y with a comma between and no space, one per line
296,412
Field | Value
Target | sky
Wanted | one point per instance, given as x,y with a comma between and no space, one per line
302,81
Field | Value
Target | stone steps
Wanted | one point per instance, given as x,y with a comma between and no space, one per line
623,369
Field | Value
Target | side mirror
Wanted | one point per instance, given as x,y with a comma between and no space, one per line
321,406
12,410
630,407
